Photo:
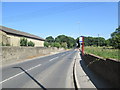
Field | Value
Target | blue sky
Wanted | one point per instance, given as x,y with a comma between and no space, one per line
55,18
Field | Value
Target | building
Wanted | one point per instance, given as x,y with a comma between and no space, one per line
12,37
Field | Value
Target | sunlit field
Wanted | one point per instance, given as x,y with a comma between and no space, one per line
103,52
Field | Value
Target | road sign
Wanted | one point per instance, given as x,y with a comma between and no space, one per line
80,39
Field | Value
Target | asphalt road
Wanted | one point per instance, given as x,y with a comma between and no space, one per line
54,71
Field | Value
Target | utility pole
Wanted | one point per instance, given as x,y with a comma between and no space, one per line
78,27
98,39
78,31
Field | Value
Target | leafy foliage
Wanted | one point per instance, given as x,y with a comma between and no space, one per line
23,42
56,44
94,41
61,38
2,44
46,44
50,39
60,41
30,43
115,38
64,45
114,41
70,42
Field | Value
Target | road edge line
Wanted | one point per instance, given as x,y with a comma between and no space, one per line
76,83
19,73
74,79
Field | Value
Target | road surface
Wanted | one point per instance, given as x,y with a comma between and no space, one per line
54,71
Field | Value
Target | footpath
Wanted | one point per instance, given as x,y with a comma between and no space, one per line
85,78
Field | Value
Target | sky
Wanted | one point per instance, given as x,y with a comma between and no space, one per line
56,18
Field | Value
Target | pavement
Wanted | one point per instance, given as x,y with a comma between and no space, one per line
85,78
53,71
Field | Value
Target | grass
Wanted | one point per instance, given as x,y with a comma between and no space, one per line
103,52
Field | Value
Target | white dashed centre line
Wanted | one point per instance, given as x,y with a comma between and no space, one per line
63,55
19,74
53,59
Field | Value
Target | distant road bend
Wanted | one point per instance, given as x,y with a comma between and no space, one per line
54,71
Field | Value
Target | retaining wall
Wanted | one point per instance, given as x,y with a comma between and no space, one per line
108,69
13,54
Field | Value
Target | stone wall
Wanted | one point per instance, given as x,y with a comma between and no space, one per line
108,69
14,54
14,40
4,40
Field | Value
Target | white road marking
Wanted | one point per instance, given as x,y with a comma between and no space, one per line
63,55
77,82
34,67
53,59
76,78
19,74
25,70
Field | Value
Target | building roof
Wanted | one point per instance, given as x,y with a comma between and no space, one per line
19,33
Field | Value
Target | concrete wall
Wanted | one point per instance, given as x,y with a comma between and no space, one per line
14,54
108,69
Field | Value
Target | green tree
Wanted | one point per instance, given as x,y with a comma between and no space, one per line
23,42
108,42
46,44
61,39
71,42
101,41
89,41
64,45
115,38
65,39
49,39
52,44
30,43
94,41
117,31
56,44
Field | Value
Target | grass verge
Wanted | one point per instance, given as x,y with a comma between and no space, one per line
103,52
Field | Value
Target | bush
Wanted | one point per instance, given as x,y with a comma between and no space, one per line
57,45
64,45
2,44
46,44
30,43
23,42
7,44
115,40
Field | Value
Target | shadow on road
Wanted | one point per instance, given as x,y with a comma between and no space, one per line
32,78
96,80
